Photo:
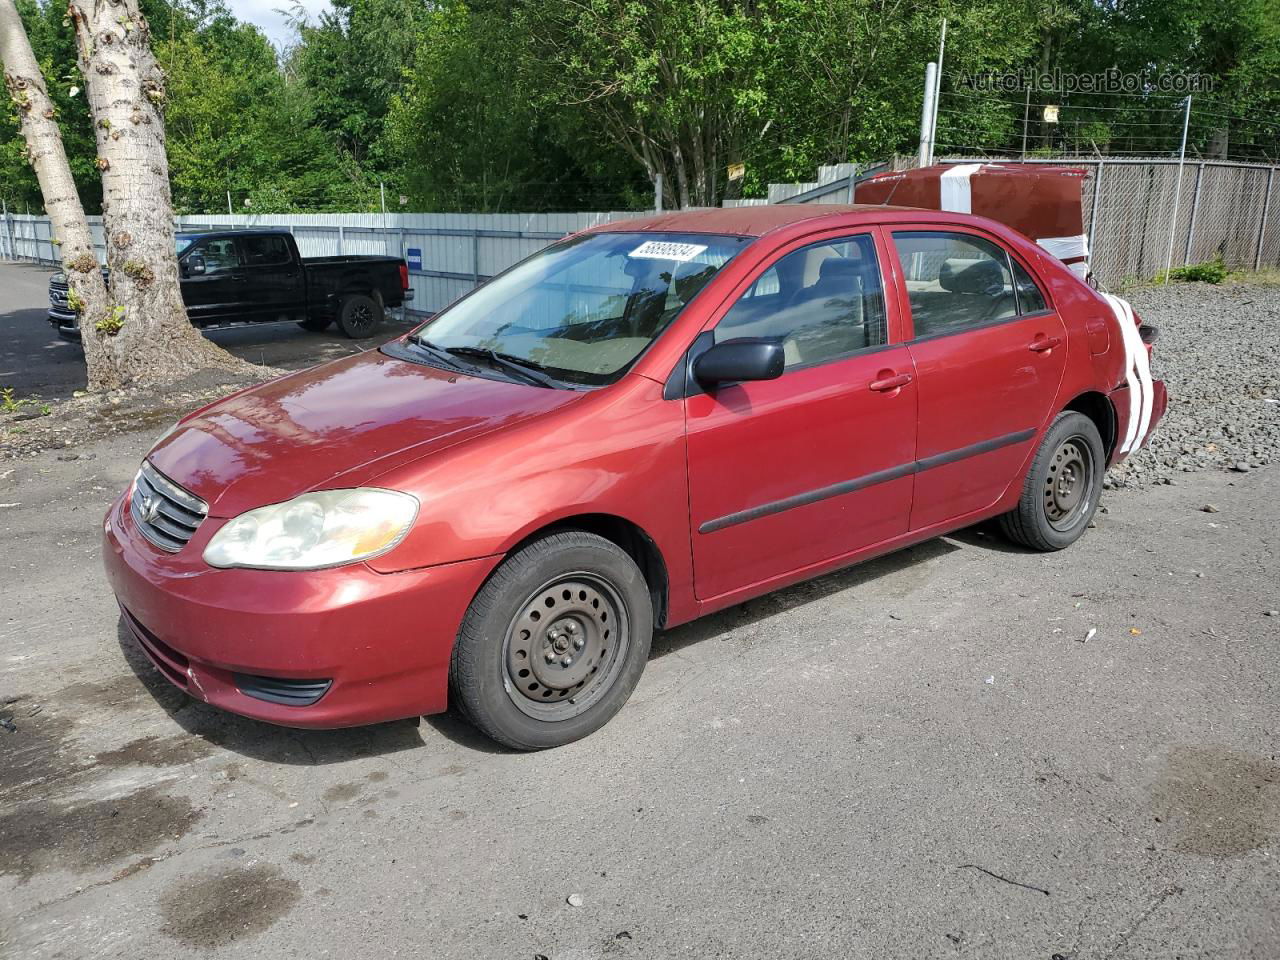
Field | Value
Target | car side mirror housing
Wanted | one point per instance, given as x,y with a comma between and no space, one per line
194,265
747,358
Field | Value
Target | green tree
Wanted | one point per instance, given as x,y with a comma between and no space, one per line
466,134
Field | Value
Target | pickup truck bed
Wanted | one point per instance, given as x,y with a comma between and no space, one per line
247,276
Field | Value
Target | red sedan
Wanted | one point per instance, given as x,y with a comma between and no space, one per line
637,426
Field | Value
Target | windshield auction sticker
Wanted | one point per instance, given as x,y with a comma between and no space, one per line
664,250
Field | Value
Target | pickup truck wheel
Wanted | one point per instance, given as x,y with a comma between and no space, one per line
315,324
554,643
359,316
1060,493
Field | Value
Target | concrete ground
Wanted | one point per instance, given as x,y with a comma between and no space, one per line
920,757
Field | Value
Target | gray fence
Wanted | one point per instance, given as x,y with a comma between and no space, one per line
448,253
1223,209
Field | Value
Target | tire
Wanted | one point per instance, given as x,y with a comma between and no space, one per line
359,316
554,643
1062,487
316,324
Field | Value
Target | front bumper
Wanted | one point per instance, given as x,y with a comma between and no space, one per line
383,641
65,321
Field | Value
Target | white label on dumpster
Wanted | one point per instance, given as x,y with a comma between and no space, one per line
665,250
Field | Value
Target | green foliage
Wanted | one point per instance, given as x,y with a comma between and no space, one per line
467,132
10,403
545,105
112,322
1211,271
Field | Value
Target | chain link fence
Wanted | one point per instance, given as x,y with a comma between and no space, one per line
1222,209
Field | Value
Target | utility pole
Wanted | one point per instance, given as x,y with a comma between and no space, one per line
1026,117
230,212
926,114
1177,190
657,193
937,93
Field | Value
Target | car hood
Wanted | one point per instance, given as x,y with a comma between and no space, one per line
356,417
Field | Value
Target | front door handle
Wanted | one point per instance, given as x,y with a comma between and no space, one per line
889,381
238,277
1043,344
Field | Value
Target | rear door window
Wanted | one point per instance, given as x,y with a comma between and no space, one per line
265,251
955,281
1030,296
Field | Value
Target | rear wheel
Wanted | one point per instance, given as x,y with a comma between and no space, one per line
554,643
1060,493
316,324
359,316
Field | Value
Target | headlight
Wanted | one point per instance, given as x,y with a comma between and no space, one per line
315,530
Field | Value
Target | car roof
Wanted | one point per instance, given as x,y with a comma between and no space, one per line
753,221
201,234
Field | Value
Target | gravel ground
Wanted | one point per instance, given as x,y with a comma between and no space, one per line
1217,352
959,750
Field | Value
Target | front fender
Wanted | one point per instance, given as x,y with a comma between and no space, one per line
618,452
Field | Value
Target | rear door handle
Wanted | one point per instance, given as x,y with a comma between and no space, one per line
1042,344
889,381
238,277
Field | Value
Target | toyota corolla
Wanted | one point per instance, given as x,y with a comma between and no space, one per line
637,426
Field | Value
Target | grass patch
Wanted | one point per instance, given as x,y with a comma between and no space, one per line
1211,271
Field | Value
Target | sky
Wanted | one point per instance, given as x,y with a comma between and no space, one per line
266,15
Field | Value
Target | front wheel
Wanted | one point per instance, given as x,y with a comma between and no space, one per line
554,643
1060,493
359,316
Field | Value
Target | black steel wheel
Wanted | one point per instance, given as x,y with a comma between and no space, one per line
565,646
359,316
554,643
1068,485
1061,490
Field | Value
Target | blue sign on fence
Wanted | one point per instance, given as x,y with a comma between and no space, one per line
413,256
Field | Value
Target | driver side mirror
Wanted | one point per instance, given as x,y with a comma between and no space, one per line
194,265
747,358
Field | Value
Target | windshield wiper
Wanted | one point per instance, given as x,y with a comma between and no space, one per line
531,370
439,353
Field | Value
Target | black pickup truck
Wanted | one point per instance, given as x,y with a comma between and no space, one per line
247,276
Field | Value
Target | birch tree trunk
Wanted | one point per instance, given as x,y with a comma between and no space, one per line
45,151
147,339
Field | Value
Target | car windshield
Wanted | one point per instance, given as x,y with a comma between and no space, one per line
181,243
583,310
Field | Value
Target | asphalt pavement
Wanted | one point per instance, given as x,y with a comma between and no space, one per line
930,755
37,364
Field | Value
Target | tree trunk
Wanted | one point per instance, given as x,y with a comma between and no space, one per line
44,148
147,339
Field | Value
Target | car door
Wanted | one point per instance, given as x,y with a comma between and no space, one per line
212,284
989,354
786,474
272,276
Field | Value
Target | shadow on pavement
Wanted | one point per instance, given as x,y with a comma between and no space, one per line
264,741
272,744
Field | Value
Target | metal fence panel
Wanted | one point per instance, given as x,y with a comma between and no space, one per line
456,249
1226,209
